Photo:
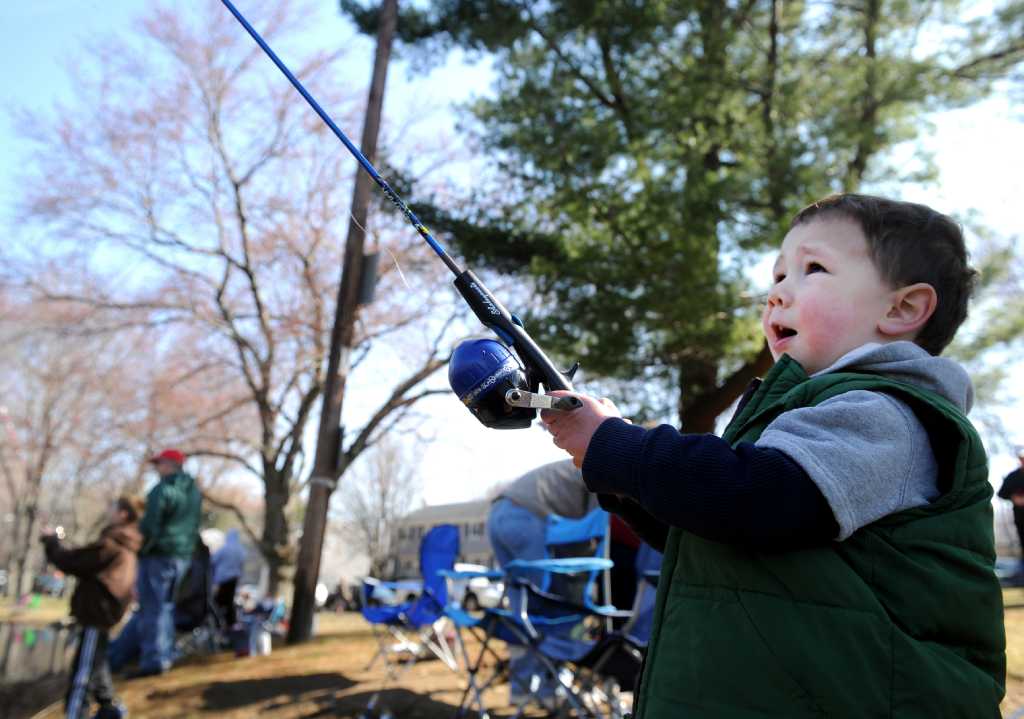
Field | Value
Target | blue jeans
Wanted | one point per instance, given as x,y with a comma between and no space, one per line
158,580
124,649
518,533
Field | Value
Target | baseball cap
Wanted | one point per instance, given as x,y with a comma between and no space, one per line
173,455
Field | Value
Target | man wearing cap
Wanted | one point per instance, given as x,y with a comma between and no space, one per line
169,530
1013,490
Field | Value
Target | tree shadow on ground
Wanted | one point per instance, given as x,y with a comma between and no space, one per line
223,696
399,702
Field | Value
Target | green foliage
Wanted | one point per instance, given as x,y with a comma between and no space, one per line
998,315
645,154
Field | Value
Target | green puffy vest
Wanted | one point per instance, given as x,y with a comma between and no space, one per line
902,619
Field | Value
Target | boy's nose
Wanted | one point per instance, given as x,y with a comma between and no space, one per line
779,295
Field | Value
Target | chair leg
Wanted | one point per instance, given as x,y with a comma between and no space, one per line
565,686
472,695
433,638
380,651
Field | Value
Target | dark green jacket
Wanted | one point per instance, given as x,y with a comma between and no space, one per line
902,619
171,522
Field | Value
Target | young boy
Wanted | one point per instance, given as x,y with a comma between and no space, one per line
832,554
106,571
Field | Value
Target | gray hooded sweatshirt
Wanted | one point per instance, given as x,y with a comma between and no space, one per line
554,488
866,451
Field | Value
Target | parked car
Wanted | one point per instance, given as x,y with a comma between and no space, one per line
474,593
320,595
390,594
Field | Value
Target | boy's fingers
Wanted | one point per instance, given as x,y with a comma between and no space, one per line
581,398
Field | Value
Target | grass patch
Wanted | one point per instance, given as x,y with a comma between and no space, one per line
39,610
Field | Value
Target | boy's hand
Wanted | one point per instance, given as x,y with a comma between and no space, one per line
572,430
48,533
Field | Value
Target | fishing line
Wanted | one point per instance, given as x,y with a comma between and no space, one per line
370,169
497,386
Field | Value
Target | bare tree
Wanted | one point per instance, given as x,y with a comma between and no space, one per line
195,197
382,491
58,429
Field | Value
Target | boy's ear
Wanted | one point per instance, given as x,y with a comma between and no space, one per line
911,308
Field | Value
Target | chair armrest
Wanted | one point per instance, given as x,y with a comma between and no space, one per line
462,574
556,600
567,565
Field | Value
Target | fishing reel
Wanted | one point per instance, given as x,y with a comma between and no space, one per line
481,373
492,383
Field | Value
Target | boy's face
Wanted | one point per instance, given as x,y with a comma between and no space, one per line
827,298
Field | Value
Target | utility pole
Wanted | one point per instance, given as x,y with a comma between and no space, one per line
329,462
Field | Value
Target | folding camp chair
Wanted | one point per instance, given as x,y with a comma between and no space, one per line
414,627
549,604
613,664
199,627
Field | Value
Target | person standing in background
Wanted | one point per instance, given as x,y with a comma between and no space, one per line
227,569
1013,490
106,571
169,529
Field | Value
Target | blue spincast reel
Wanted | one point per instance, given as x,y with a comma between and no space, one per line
480,373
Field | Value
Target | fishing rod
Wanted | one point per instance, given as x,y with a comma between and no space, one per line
499,388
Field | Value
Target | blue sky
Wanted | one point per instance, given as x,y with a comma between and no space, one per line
978,152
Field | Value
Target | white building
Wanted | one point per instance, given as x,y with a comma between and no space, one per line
471,519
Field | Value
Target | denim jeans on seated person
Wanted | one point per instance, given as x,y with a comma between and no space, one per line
159,578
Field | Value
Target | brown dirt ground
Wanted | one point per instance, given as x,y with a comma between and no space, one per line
327,677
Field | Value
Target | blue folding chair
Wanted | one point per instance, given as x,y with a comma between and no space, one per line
548,605
613,664
415,627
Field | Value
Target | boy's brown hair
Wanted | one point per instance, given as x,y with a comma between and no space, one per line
132,505
910,243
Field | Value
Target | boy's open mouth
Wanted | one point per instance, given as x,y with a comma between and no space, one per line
781,332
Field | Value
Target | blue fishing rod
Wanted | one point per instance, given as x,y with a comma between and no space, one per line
498,387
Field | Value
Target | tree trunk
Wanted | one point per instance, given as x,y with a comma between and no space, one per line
275,544
23,549
699,411
328,450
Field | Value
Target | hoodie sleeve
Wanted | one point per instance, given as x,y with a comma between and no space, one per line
83,561
152,519
866,451
699,483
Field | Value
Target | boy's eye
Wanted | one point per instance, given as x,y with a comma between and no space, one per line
813,267
779,278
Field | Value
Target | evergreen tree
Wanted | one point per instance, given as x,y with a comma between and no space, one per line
646,154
